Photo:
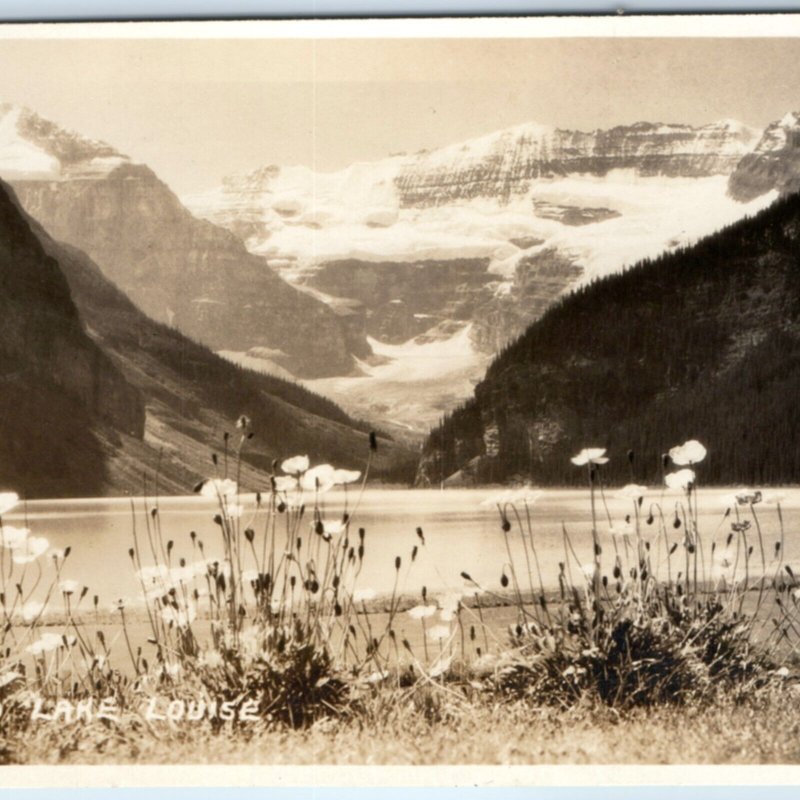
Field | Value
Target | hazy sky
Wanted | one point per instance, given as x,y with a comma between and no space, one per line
196,110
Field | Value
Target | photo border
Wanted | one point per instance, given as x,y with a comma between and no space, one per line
552,781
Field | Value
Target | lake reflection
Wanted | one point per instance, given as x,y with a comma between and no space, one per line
460,535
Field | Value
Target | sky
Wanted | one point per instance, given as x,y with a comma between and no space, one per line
197,110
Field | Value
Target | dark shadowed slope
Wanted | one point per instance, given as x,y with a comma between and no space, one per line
58,386
138,397
703,342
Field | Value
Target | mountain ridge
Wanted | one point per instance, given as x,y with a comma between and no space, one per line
181,397
480,236
178,269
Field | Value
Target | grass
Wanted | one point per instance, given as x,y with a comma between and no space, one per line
762,731
668,648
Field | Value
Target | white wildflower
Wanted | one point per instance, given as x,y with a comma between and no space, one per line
590,455
342,476
7,501
329,528
682,480
234,510
32,610
46,643
181,575
217,488
9,677
33,547
631,492
285,483
295,465
742,497
12,537
691,452
440,667
318,479
449,603
526,494
170,670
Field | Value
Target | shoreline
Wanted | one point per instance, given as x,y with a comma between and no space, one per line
201,501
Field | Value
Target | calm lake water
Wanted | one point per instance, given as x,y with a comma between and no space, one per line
460,535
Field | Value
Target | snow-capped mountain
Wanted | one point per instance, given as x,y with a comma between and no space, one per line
180,270
454,252
35,148
774,164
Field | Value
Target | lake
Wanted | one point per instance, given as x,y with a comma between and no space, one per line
460,534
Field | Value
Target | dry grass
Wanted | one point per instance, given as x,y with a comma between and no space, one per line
765,730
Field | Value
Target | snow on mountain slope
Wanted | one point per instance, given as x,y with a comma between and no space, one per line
19,156
512,220
654,214
410,387
465,200
34,148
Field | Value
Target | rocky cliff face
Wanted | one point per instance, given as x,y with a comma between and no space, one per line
405,299
774,165
540,278
503,165
470,243
180,270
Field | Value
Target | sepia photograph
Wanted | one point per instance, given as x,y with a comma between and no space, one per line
403,392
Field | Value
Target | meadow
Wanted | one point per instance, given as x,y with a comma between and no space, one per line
652,640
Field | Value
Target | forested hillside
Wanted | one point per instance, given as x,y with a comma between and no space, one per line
703,342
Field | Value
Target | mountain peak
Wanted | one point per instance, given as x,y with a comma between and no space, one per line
789,120
34,148
774,164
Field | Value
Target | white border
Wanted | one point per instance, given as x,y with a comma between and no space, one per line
690,26
682,26
456,776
